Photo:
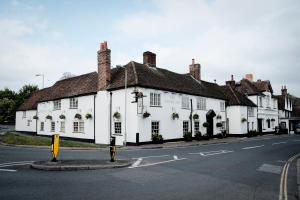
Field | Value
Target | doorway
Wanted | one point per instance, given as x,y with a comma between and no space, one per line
259,125
210,120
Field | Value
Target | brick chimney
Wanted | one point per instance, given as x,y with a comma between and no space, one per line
149,58
249,77
195,70
231,82
283,91
103,56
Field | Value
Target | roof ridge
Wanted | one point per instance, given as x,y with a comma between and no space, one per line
76,76
134,71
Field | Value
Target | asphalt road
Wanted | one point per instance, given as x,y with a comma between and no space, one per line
242,170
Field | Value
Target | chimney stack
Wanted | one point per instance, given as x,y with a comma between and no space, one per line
103,56
149,58
249,77
195,70
283,91
231,83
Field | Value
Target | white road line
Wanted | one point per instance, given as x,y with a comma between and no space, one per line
16,164
12,163
278,143
211,153
175,157
253,147
8,170
136,163
157,163
152,156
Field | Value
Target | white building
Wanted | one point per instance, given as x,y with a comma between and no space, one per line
126,102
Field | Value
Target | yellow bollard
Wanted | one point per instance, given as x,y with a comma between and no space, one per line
112,149
55,147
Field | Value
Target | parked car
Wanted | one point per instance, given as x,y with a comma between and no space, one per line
297,128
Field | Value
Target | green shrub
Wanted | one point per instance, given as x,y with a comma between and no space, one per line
188,136
198,135
157,138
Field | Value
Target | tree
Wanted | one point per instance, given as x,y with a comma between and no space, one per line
67,75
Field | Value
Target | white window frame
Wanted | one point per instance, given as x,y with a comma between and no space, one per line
155,99
78,126
185,102
52,126
118,128
42,126
185,126
222,106
201,103
57,105
24,114
73,103
155,127
62,126
196,126
250,111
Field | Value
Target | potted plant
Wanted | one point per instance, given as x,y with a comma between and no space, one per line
188,136
88,116
117,115
195,116
219,125
157,138
219,117
78,116
62,116
175,116
205,124
35,117
49,117
146,114
244,120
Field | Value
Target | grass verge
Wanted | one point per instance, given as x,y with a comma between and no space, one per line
23,139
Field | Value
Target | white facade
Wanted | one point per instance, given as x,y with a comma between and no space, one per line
25,121
84,128
241,120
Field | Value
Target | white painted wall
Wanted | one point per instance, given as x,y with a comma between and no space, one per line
85,105
25,121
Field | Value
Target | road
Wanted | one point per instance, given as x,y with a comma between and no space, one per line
241,170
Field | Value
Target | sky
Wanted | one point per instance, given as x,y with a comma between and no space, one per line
227,37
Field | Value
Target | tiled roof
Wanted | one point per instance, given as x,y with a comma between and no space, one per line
31,102
253,88
235,97
162,79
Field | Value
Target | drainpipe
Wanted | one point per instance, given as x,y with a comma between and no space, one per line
110,115
191,116
94,118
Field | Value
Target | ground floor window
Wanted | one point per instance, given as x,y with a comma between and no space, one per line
223,125
42,126
196,126
52,126
28,122
62,126
155,127
185,126
78,127
118,128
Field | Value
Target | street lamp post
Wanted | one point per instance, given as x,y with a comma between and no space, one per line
43,79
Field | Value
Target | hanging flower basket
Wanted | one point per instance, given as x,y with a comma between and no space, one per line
117,115
88,116
205,124
219,125
175,116
78,116
35,117
49,117
273,120
243,120
146,114
62,116
195,116
219,117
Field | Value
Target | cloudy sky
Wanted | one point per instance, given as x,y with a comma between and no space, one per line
226,37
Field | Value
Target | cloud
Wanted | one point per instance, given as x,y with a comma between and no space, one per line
226,37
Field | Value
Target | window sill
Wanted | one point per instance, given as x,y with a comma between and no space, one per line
186,108
78,132
74,108
118,134
156,106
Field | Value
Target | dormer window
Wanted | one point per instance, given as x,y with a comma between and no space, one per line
74,103
185,102
260,102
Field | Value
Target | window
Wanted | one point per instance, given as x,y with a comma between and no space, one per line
62,126
222,106
185,127
78,127
154,99
52,126
196,126
274,103
185,102
56,105
155,127
73,103
118,128
250,111
260,102
223,125
42,126
24,114
268,101
28,122
201,103
273,124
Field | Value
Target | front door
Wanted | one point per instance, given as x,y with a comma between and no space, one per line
259,125
210,120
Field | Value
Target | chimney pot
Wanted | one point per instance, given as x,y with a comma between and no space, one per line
149,58
232,77
249,77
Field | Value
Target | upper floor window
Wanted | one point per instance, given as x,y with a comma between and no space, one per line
154,99
274,103
222,106
251,112
185,102
74,103
260,103
201,103
24,114
268,101
56,105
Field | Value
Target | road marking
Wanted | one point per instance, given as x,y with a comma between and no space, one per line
157,163
283,180
136,163
270,168
211,153
175,157
278,143
253,147
15,164
152,156
8,170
